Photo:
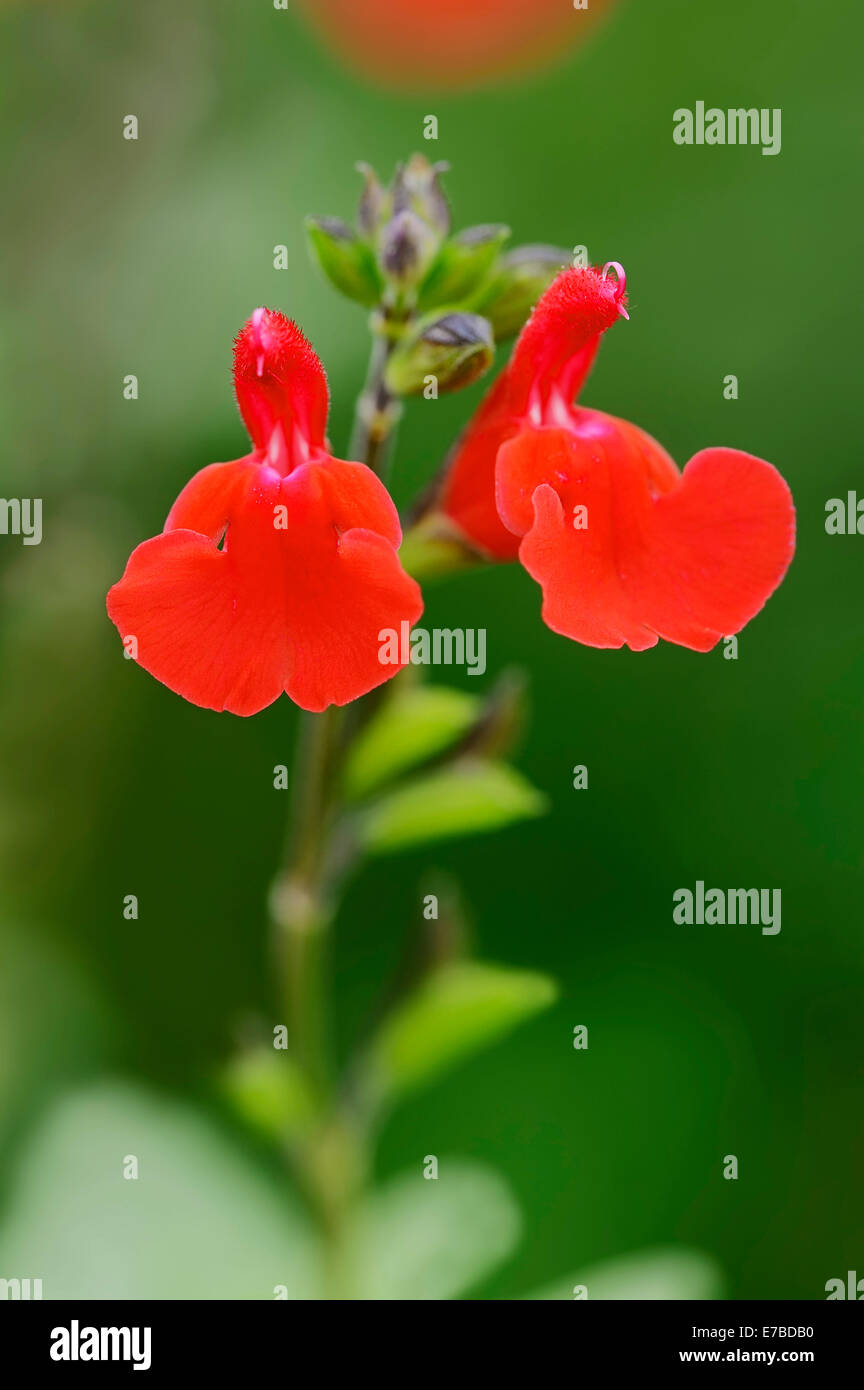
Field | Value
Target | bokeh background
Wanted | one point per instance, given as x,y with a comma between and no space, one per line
144,258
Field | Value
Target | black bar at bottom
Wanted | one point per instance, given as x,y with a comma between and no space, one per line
157,1338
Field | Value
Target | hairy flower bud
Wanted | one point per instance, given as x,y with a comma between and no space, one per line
416,186
453,350
371,209
407,246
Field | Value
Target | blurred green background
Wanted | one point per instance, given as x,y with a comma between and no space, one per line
145,258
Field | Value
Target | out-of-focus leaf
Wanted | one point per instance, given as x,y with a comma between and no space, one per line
266,1088
345,259
411,727
422,1238
40,980
459,1009
199,1221
662,1274
466,797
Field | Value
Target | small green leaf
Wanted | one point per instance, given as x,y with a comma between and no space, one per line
413,725
461,266
460,1009
657,1275
267,1090
419,1239
348,262
469,796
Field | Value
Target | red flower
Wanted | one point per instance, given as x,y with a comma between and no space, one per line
450,43
625,548
277,571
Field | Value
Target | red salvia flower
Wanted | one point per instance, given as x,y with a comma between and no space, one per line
277,571
450,43
625,548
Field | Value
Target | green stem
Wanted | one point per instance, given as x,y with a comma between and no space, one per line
332,1158
377,412
302,899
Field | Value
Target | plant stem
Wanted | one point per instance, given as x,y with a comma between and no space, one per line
301,900
332,1158
377,413
303,903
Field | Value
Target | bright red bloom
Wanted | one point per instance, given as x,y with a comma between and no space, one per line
278,571
450,43
625,548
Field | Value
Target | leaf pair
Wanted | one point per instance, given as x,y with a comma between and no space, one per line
465,794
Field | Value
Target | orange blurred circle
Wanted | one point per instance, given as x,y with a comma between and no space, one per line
449,43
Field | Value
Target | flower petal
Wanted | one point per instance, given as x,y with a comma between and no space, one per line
354,496
627,551
557,346
467,495
552,357
337,616
207,500
291,602
279,379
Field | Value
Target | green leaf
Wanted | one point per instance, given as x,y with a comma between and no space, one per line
662,1274
434,1239
348,262
413,725
199,1221
267,1090
467,797
39,980
460,1009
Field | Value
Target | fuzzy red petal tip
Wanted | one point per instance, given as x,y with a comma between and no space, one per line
552,357
279,379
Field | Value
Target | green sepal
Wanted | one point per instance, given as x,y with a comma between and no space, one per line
461,266
347,261
520,278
